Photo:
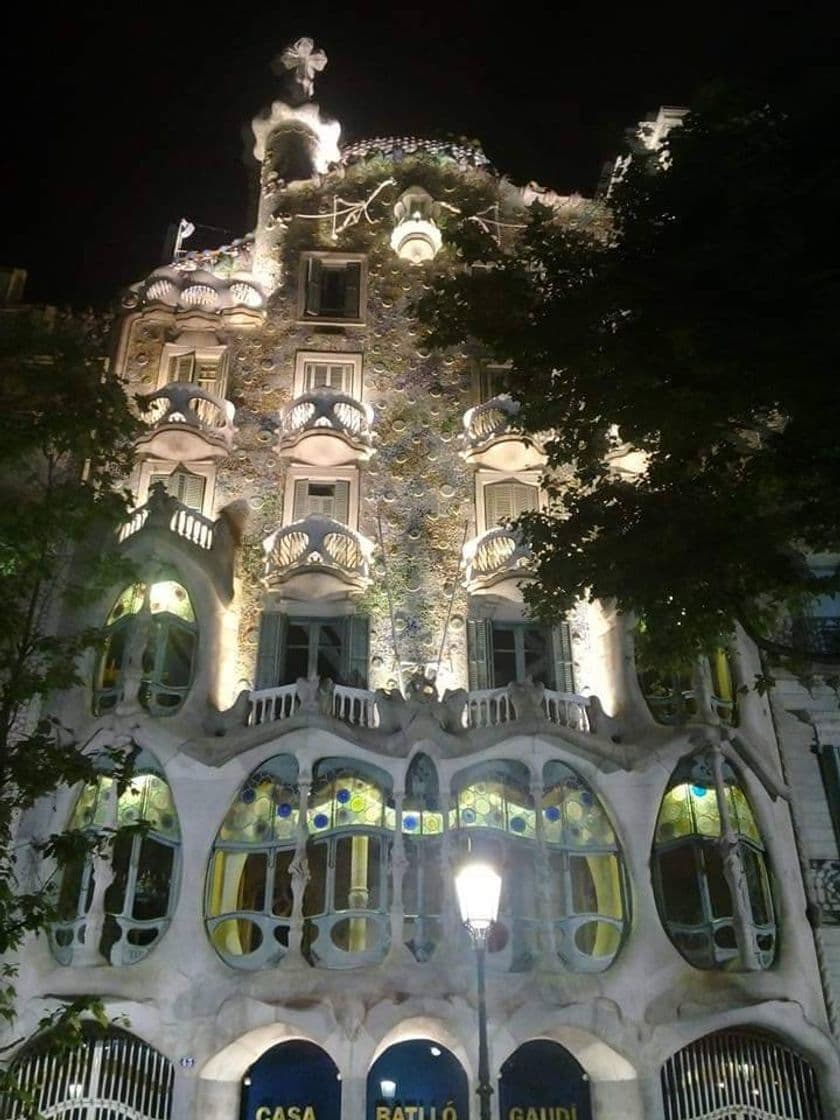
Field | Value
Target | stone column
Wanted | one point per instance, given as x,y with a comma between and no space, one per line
103,875
399,863
299,869
547,940
620,1100
734,872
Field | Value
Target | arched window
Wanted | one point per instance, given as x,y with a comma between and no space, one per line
586,876
293,1079
739,1074
710,869
351,823
417,1078
493,817
142,862
671,693
422,827
109,1074
154,626
248,905
541,1078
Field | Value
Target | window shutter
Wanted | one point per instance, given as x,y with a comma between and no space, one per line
192,490
498,503
478,653
342,502
272,634
524,497
313,286
352,284
356,650
154,479
300,507
181,367
561,640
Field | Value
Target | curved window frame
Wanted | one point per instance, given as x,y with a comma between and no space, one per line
132,864
716,846
578,831
351,822
256,863
423,837
143,619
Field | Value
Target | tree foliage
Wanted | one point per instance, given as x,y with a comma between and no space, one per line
66,432
695,327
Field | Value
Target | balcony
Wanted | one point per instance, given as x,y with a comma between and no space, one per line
496,557
493,437
825,881
185,422
490,707
327,429
813,637
356,706
162,511
317,557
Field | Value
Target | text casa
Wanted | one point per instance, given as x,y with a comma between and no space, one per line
289,1112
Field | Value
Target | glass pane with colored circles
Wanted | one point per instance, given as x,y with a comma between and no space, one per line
422,822
573,818
741,814
704,807
148,798
265,810
674,818
92,807
348,802
129,602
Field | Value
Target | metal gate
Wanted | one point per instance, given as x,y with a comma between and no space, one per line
108,1077
735,1075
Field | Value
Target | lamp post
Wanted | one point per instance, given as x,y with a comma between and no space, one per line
478,888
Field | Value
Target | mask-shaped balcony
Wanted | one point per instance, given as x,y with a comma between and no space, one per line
326,429
186,422
494,558
162,511
317,557
493,437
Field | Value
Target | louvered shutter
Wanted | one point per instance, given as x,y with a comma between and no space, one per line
341,508
479,643
524,497
352,286
313,286
166,479
561,641
300,507
191,490
270,648
498,503
315,376
356,644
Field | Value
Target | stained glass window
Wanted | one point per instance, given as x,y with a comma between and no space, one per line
249,899
145,866
690,873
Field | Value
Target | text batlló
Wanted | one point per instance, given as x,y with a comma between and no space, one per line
415,1112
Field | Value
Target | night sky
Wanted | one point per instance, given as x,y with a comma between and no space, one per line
119,120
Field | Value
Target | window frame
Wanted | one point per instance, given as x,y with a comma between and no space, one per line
302,357
334,260
205,469
217,355
302,473
485,477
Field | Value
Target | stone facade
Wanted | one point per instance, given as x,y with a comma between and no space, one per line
331,496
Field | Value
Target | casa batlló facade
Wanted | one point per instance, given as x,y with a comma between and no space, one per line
332,693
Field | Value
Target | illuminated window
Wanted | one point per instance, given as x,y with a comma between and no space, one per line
291,647
154,623
205,371
671,693
586,873
144,861
351,823
707,838
336,375
321,497
503,652
248,905
332,287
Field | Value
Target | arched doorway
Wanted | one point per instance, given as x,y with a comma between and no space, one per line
413,1075
110,1075
294,1080
739,1075
542,1079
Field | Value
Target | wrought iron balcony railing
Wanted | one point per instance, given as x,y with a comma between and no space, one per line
491,419
186,422
318,543
327,428
826,884
497,554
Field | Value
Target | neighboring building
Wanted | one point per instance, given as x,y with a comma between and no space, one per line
333,691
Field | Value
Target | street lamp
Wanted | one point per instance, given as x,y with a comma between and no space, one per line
478,888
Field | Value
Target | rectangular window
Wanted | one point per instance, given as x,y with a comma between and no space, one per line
332,287
201,371
337,376
507,500
503,652
334,648
185,487
321,497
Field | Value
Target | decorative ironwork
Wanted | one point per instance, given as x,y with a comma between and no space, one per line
494,555
826,884
463,152
181,402
327,411
317,542
733,1075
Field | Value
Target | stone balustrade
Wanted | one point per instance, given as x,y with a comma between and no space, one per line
495,555
318,542
360,707
165,512
186,422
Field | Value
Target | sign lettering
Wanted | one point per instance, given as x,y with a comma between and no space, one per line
423,1112
289,1112
552,1112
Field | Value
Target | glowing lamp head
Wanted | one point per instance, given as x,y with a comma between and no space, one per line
478,888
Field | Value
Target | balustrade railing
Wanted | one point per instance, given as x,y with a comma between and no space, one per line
496,553
318,541
165,512
181,402
489,707
356,706
328,412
